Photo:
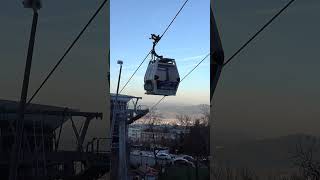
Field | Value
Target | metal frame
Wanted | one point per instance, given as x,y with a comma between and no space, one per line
52,158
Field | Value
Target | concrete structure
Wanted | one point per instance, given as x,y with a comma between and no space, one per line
42,157
124,115
140,132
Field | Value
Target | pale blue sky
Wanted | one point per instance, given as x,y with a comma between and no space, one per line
187,41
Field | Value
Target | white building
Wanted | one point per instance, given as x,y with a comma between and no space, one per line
140,132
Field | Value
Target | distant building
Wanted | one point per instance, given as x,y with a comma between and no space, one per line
148,136
142,133
134,131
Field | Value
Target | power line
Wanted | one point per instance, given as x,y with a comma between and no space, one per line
67,51
195,67
156,104
135,71
156,44
257,33
238,51
174,18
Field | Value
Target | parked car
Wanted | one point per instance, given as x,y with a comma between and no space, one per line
189,158
163,156
173,156
135,152
182,162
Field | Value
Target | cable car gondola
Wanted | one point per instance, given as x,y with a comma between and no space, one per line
162,76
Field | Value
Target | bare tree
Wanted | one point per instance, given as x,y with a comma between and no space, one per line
153,119
303,158
205,112
196,143
228,173
184,120
247,174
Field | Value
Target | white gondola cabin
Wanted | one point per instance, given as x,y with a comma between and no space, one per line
162,77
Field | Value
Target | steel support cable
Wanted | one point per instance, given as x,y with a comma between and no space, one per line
135,71
259,31
67,51
174,19
155,44
241,48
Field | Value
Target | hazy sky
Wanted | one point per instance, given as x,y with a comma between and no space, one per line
272,87
187,41
83,70
80,82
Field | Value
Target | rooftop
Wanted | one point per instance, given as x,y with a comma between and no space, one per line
122,97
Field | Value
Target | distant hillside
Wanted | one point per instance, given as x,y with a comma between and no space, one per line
225,138
170,111
267,153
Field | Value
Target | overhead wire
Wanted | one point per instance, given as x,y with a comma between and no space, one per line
258,32
239,50
67,51
155,44
135,72
99,9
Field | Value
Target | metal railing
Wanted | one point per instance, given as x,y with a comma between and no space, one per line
99,145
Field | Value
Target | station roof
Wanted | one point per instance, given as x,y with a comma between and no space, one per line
53,116
122,97
14,105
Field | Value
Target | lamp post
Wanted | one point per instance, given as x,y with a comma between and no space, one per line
115,105
122,169
35,5
119,62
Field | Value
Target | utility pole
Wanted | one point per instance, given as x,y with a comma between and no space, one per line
35,5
